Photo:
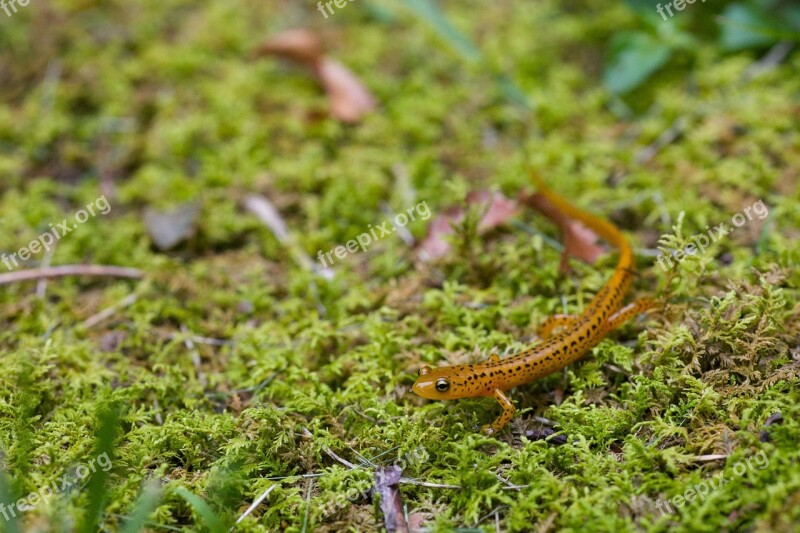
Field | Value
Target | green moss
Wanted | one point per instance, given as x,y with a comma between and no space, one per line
165,100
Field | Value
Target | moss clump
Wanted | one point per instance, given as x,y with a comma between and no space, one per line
162,102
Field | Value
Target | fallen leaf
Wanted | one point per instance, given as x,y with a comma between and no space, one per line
415,521
579,241
348,98
500,208
387,481
300,45
497,209
268,214
168,228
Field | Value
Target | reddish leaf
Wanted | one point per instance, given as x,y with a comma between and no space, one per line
579,241
349,99
300,46
415,521
497,209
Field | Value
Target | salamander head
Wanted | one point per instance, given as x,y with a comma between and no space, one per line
446,383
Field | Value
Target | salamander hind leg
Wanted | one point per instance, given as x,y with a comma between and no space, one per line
553,322
630,311
504,418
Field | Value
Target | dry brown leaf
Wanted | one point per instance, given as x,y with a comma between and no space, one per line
579,241
169,228
349,99
387,483
415,521
300,45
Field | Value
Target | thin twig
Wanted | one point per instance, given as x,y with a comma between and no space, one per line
668,136
41,285
774,57
363,460
304,476
199,339
492,512
428,484
402,231
330,452
308,504
268,214
508,484
157,410
255,503
109,311
187,341
70,270
712,457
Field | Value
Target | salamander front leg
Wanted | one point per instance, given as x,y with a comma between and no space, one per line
505,416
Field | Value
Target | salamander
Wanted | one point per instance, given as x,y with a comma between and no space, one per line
578,334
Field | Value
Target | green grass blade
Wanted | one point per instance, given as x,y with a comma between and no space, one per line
104,446
429,13
426,11
209,517
145,505
6,498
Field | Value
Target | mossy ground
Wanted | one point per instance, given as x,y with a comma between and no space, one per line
165,100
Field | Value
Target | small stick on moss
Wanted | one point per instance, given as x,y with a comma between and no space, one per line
493,512
41,285
712,457
308,504
331,453
70,270
428,484
187,341
255,504
508,484
109,311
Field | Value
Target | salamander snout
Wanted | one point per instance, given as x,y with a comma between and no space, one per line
434,384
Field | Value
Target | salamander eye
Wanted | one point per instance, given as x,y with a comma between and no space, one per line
442,385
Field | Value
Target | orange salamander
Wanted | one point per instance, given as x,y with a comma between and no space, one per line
581,332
